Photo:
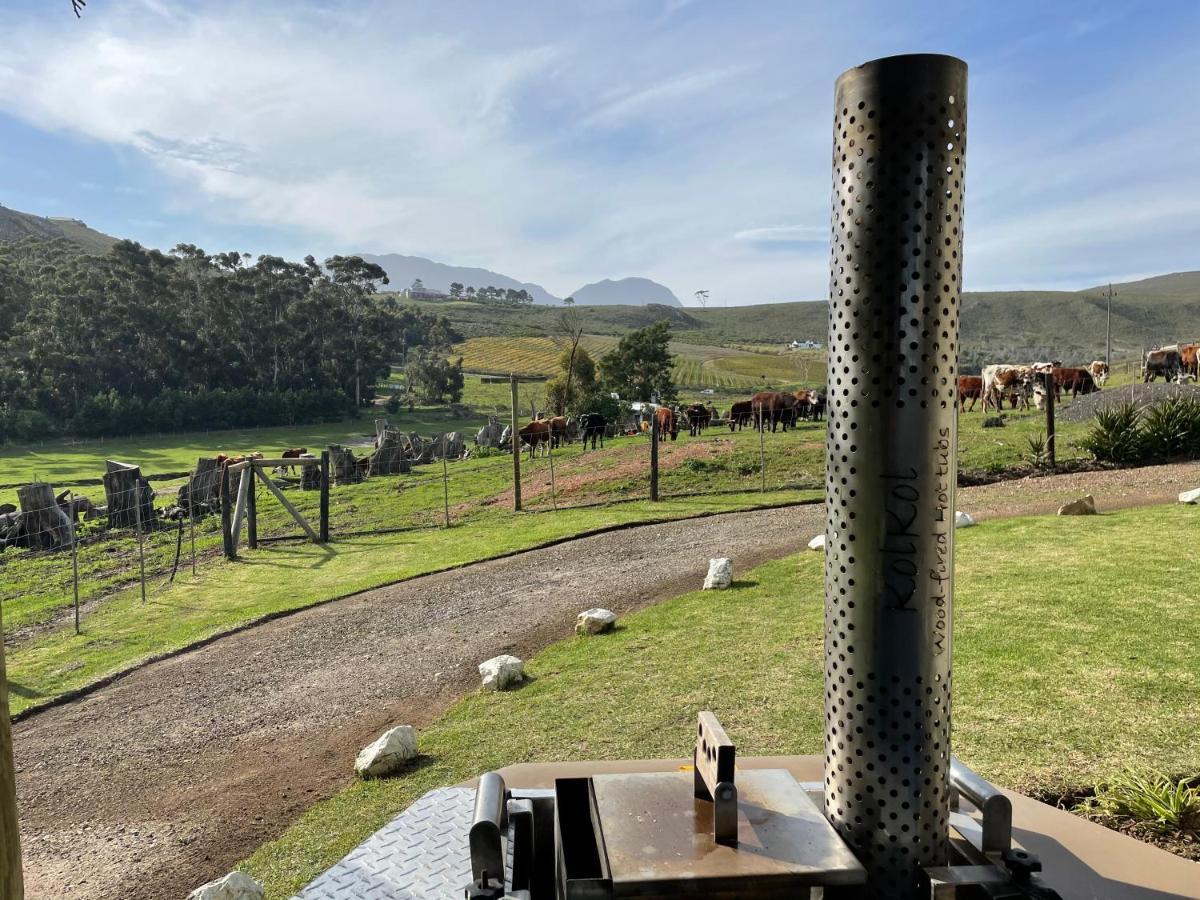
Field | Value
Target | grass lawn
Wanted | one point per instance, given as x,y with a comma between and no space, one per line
1060,686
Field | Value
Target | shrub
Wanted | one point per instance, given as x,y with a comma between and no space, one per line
1039,451
1116,435
1154,802
1172,428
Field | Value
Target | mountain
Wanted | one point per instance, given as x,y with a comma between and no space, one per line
404,270
625,291
15,225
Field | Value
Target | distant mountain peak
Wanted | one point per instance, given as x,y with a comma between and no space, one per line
632,291
16,225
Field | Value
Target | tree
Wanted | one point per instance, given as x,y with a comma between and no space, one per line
432,378
640,367
355,279
456,290
568,301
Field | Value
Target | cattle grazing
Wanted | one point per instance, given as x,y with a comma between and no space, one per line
698,418
1189,360
224,459
1015,382
537,435
592,426
1099,372
293,453
1167,363
558,431
667,422
1074,381
740,414
970,387
774,408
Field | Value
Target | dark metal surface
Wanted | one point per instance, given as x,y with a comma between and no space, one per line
659,839
487,852
899,131
715,759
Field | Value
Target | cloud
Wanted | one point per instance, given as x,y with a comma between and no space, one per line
648,101
788,235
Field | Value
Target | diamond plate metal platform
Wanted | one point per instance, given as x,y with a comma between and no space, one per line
422,854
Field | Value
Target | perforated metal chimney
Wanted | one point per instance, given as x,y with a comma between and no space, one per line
895,289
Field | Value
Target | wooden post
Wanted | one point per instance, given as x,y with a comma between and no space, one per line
137,518
251,513
654,458
245,476
286,504
11,881
445,483
226,517
516,446
74,561
550,456
762,453
1048,381
324,496
192,529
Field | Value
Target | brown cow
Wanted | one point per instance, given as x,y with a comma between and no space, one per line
293,453
1012,381
537,435
558,431
970,387
698,418
667,423
1188,357
1167,363
1099,372
1077,381
740,414
773,407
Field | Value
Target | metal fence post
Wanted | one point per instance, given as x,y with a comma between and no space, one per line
654,459
550,456
762,454
192,529
74,559
516,446
137,518
445,483
324,497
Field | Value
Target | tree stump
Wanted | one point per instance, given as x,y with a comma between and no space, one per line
203,490
45,525
310,476
125,488
388,458
343,465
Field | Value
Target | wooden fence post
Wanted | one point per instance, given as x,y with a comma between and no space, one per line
550,456
1048,381
445,483
324,527
762,452
74,560
11,880
654,459
252,513
516,446
226,515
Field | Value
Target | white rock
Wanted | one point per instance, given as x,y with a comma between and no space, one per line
1192,496
594,621
720,574
962,520
234,886
1084,506
389,752
501,672
817,543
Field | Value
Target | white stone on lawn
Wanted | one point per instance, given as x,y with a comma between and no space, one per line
501,672
594,621
962,519
720,574
1084,506
1192,496
817,543
389,752
234,886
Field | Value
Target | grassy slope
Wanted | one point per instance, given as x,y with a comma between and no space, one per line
1063,686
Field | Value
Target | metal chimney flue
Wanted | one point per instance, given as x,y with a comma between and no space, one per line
895,291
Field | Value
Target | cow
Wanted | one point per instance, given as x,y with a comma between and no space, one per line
537,435
773,407
491,434
1167,363
1099,372
970,387
1007,381
558,431
592,426
293,453
1189,360
698,418
224,459
667,422
740,414
1077,381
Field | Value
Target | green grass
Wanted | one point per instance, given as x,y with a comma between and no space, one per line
1064,685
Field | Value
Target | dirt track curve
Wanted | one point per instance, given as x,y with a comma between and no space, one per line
165,778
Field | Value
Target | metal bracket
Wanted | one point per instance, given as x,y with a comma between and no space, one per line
715,758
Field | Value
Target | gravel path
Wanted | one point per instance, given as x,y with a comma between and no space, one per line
167,777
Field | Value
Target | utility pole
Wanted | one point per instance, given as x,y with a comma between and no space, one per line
1108,332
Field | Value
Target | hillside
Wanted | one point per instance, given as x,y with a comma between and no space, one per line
16,225
625,291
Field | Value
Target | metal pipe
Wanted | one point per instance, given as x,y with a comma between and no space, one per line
487,854
896,277
993,805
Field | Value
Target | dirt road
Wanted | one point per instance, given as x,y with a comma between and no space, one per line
164,779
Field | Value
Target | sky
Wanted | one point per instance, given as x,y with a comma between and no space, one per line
566,141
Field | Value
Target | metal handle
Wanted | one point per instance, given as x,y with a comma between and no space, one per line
487,853
987,798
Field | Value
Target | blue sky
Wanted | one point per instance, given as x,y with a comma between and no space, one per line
562,142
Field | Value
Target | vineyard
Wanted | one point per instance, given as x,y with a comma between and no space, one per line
697,366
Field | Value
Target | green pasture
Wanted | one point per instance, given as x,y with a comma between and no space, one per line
1071,666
